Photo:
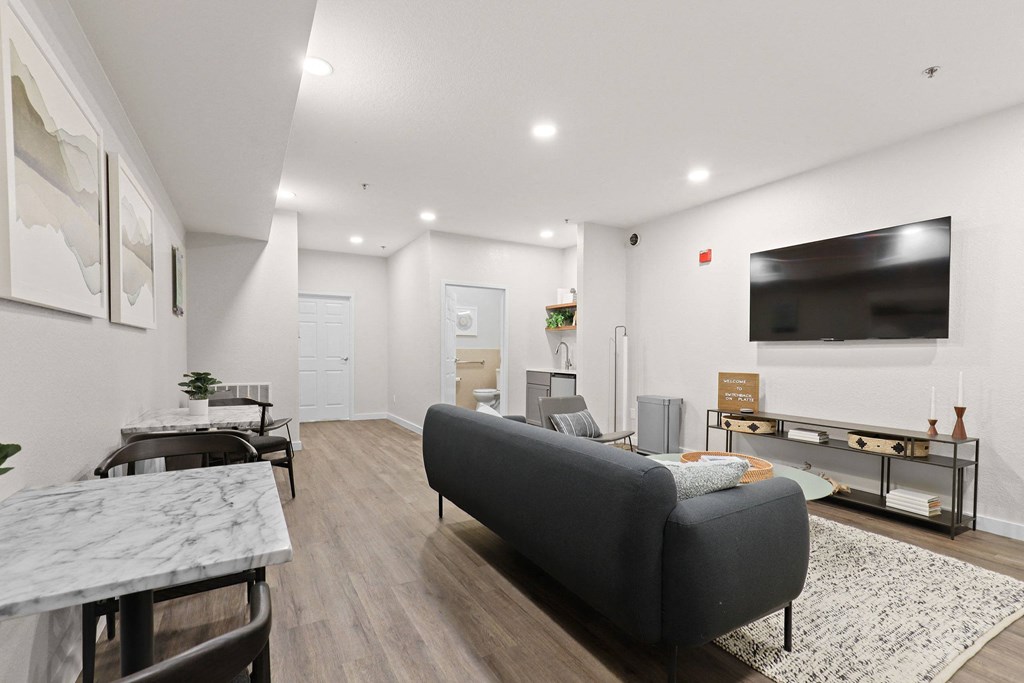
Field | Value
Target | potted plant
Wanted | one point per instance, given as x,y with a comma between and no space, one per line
6,451
198,386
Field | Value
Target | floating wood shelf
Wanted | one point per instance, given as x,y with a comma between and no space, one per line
560,329
556,306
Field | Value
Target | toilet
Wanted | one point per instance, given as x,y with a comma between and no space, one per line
489,397
486,397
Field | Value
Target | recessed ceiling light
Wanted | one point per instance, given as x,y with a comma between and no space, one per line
355,239
547,234
317,66
698,175
543,131
427,216
285,194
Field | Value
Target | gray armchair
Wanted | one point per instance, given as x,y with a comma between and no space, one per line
557,405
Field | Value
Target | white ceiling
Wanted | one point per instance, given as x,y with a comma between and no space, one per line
210,87
431,103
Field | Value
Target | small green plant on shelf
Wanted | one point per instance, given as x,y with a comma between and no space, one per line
6,451
198,385
558,319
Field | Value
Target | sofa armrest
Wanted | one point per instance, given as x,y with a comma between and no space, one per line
730,558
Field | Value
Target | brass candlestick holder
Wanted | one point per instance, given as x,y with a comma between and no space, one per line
959,430
931,427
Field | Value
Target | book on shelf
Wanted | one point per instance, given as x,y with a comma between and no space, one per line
810,435
924,512
917,502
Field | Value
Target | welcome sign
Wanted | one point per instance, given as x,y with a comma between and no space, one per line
738,390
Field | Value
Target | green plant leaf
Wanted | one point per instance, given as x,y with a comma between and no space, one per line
5,470
8,449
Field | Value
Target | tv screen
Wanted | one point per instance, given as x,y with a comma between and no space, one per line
884,284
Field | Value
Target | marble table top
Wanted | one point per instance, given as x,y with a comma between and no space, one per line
74,543
178,419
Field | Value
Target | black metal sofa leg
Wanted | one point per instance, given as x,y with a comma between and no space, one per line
440,506
788,616
673,655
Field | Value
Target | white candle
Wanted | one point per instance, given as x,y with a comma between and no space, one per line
960,390
931,413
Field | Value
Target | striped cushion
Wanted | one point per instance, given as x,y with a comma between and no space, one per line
577,424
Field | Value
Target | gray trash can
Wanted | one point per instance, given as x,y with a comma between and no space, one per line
657,424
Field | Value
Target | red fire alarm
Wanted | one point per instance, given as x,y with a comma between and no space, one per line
705,256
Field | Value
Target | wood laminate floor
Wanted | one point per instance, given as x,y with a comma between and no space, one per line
381,590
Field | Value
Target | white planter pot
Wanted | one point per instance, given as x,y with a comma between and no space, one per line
199,408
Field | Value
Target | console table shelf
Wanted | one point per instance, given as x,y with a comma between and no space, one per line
953,521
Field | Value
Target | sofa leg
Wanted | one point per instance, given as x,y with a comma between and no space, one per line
673,654
788,613
440,506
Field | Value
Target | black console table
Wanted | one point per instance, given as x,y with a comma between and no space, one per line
953,521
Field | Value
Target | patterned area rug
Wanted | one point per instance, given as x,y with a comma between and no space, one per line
878,610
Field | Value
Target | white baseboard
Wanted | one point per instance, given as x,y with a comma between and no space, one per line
296,445
1001,527
401,422
370,416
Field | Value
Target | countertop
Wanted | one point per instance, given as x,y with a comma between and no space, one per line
74,543
552,371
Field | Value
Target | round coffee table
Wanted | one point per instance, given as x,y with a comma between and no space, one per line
812,485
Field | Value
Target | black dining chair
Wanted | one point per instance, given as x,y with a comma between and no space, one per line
185,462
224,659
180,450
264,443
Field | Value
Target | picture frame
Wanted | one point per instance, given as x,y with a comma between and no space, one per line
53,234
178,281
465,321
131,236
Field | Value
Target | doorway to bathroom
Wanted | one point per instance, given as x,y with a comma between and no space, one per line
474,343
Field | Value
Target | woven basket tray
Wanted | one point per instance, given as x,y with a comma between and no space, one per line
887,444
746,425
759,469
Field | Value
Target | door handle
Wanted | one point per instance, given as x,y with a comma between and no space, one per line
345,358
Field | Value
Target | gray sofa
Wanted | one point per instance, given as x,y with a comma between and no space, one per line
605,523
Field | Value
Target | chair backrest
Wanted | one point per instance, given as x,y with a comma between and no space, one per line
222,658
235,449
557,405
265,407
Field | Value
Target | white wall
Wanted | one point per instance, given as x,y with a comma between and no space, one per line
688,322
490,315
414,341
365,278
242,304
416,273
601,296
569,256
69,383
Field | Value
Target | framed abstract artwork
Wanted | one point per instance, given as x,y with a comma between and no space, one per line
132,297
53,238
178,285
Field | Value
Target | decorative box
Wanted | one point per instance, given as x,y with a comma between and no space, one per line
748,425
887,444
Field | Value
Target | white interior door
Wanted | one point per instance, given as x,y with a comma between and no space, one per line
448,352
325,358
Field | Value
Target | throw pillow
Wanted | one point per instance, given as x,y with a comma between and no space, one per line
487,410
577,424
697,478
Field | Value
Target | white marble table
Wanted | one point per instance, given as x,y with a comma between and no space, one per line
178,419
123,537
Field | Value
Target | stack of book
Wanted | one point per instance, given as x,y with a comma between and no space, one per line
917,502
810,435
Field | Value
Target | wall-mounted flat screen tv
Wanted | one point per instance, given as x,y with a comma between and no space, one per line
884,284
